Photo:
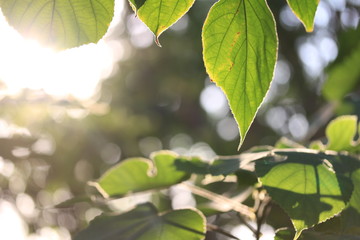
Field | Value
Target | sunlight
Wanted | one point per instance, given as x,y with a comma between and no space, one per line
75,72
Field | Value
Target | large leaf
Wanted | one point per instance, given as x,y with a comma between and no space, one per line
355,198
341,132
139,174
305,186
351,216
159,15
285,234
60,24
240,49
305,10
145,223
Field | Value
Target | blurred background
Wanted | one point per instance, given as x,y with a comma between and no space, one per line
66,117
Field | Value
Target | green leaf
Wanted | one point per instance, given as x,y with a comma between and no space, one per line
72,201
60,24
240,50
159,15
305,11
351,216
343,77
305,186
341,132
139,174
355,198
286,234
317,145
145,223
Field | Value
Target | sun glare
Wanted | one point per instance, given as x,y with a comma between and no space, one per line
75,72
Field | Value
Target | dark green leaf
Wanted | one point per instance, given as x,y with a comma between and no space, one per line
240,49
71,202
136,4
246,178
351,216
145,223
196,166
224,167
355,198
60,24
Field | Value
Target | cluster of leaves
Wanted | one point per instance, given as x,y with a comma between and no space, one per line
239,37
240,46
312,187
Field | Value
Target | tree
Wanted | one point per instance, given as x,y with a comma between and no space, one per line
311,183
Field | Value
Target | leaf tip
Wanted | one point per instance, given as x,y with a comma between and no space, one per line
157,41
309,29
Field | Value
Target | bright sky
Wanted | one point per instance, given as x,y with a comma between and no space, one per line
77,72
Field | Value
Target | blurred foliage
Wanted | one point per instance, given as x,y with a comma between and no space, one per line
51,148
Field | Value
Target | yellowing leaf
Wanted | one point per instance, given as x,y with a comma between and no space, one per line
240,49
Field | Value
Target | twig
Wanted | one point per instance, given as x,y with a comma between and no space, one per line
217,229
261,214
321,117
246,223
235,205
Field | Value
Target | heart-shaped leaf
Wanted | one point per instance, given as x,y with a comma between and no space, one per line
159,15
305,186
305,11
140,174
145,223
60,24
240,49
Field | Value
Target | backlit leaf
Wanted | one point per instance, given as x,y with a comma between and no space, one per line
341,132
60,24
305,186
240,49
305,11
140,174
159,15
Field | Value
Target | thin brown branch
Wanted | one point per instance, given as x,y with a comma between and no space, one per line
246,223
214,228
233,204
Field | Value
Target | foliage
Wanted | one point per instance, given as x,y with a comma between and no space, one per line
136,175
313,186
145,223
60,24
240,44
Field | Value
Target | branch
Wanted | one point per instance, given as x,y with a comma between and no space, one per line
235,205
